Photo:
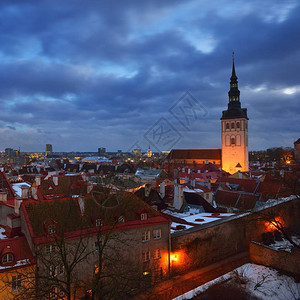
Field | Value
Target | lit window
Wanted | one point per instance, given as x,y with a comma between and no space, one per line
156,254
51,229
7,258
16,283
157,234
121,219
98,222
146,236
143,216
146,256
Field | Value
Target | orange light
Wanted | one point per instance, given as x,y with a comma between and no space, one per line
288,162
174,257
274,225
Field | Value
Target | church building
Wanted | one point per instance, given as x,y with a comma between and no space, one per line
233,156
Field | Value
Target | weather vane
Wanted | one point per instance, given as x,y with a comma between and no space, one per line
232,55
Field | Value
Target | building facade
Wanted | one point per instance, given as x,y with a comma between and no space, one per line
234,131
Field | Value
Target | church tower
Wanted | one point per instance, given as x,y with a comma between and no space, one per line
234,123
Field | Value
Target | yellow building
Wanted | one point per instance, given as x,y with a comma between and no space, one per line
234,131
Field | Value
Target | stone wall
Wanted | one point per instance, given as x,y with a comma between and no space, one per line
208,243
279,259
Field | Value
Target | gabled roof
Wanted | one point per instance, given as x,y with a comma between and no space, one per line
242,201
99,205
297,142
202,154
197,200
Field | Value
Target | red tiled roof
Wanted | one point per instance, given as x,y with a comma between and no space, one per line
195,154
236,199
245,185
67,214
20,249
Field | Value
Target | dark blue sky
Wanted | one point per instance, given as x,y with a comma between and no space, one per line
87,74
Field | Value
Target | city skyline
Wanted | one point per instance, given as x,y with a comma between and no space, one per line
81,77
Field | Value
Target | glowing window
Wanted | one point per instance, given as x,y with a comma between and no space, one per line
156,254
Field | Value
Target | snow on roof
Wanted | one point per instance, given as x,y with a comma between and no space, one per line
263,283
18,263
192,216
188,190
2,235
17,187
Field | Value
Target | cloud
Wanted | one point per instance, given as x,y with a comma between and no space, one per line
86,74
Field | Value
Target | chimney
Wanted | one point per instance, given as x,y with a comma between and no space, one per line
147,190
13,227
178,196
38,180
55,179
3,196
24,192
80,201
17,206
162,189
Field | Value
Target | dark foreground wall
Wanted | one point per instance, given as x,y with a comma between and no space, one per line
206,244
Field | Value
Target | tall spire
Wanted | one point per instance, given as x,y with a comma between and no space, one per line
234,104
233,75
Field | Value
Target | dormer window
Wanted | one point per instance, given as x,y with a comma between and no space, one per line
121,219
51,229
144,216
98,223
7,258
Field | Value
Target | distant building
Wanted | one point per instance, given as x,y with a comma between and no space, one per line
101,151
48,150
149,152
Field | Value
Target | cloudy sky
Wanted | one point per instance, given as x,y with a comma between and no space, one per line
87,74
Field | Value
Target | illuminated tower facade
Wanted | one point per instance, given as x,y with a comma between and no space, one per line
234,124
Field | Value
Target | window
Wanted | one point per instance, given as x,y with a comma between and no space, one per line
98,222
51,229
238,125
50,249
146,236
7,258
157,234
121,219
16,283
156,254
214,162
232,125
232,141
227,125
56,293
144,216
207,196
56,270
146,256
98,245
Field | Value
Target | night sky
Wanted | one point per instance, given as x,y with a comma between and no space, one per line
87,74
